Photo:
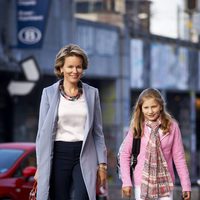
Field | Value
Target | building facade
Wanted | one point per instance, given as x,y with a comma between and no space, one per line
31,33
122,62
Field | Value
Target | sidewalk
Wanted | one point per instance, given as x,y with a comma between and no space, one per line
115,193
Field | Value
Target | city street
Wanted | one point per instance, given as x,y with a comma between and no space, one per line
131,45
115,193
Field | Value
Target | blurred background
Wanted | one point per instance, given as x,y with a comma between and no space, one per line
131,44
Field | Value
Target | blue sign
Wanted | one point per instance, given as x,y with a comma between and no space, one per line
31,22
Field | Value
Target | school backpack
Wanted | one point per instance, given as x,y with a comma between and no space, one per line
134,155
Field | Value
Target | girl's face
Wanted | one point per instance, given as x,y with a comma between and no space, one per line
72,69
151,109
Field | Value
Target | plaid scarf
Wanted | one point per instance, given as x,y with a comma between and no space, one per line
156,179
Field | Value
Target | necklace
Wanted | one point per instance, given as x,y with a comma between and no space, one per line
66,96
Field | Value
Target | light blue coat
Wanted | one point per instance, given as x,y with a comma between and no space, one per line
93,150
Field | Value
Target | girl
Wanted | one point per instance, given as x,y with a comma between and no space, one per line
161,145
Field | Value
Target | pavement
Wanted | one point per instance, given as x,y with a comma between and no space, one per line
114,193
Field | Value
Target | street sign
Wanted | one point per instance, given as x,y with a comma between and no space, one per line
31,17
32,75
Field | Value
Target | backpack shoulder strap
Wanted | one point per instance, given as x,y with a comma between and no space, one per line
135,150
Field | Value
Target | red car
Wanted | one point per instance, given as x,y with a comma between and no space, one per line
17,168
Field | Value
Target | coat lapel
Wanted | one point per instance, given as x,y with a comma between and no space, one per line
51,117
54,105
163,136
89,96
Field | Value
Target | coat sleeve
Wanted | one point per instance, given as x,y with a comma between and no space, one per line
44,107
125,159
98,131
179,159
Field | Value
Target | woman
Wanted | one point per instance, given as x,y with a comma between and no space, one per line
161,145
70,143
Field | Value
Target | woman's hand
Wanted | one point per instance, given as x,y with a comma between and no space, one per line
36,175
186,195
126,192
102,175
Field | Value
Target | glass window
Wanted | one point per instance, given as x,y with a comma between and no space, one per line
30,160
8,158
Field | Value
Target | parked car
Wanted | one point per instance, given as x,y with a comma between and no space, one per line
17,168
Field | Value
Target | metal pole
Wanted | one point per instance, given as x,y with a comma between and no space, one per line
193,133
178,21
192,102
190,14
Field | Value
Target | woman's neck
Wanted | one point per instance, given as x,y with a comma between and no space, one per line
70,88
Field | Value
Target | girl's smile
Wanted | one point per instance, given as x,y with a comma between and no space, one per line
151,109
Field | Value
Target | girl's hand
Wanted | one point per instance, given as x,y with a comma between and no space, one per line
126,192
186,195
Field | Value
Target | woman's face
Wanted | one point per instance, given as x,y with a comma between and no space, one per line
72,69
151,109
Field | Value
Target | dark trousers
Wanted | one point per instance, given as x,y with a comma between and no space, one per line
66,172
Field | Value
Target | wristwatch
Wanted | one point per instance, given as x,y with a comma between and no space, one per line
103,166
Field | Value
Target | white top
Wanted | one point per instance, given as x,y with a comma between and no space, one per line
71,119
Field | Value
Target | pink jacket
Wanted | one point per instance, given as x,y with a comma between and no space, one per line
173,151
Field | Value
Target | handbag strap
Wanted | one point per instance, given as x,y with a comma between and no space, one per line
35,186
135,150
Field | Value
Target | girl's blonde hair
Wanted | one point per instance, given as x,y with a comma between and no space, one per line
137,120
66,51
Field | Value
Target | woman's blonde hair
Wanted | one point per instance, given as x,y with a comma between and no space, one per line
66,51
137,120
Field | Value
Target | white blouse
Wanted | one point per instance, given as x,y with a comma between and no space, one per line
71,119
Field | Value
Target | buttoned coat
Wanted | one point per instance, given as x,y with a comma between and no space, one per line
93,149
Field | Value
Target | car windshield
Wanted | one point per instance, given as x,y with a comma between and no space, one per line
8,157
